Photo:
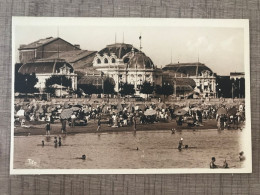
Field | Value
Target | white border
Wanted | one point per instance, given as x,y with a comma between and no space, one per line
157,22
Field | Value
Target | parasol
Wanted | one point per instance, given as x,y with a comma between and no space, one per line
75,108
149,112
161,105
221,111
196,108
66,113
180,112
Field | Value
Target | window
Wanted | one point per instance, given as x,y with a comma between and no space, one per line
113,60
105,61
98,61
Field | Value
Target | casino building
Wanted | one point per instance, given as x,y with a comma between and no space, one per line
126,64
203,76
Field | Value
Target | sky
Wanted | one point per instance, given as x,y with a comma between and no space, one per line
219,48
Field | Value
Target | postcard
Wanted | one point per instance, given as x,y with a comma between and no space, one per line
130,96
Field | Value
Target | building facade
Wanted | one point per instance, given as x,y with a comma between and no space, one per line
44,69
44,48
203,76
126,64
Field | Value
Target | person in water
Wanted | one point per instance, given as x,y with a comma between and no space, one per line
99,123
55,142
180,144
59,141
225,165
48,128
212,163
241,156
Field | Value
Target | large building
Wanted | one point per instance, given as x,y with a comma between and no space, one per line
44,48
126,64
203,76
44,69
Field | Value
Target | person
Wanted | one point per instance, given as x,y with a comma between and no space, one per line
134,121
99,124
63,125
180,144
241,156
173,131
212,163
59,141
225,165
73,118
42,143
83,157
55,142
48,128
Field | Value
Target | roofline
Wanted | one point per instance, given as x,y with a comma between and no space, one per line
54,39
92,52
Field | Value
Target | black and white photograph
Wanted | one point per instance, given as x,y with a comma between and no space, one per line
130,96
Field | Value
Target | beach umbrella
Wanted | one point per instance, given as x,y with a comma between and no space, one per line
75,108
161,105
66,113
149,112
180,112
66,105
196,108
232,111
221,111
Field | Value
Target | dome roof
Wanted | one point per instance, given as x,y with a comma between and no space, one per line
50,66
140,61
190,69
119,49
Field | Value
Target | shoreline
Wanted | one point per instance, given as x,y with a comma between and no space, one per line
209,124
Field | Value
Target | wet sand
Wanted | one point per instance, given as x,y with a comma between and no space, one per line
38,128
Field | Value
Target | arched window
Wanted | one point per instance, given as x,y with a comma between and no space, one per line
105,61
113,60
98,61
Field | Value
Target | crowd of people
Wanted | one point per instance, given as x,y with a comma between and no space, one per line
128,114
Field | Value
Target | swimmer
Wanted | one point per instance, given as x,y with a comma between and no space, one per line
173,131
241,156
83,157
225,165
180,144
55,142
59,141
212,163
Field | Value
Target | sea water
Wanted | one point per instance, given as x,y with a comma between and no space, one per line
126,150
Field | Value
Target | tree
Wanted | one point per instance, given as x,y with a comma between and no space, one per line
158,89
127,89
167,89
109,86
25,83
147,88
224,86
88,88
56,79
